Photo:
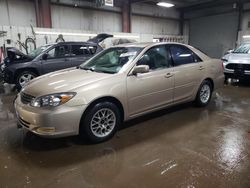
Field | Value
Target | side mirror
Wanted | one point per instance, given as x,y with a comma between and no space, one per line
229,51
140,69
44,56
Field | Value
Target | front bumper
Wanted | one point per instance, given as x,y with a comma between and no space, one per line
8,76
243,74
54,122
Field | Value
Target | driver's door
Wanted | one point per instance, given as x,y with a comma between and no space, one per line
57,59
153,89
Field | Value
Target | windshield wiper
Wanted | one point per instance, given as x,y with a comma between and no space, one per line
103,71
87,68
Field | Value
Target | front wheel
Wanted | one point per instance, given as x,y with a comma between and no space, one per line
100,122
23,78
204,94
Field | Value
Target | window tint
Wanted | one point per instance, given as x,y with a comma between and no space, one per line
156,58
182,55
58,52
80,50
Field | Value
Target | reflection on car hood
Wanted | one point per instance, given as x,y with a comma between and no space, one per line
63,81
238,58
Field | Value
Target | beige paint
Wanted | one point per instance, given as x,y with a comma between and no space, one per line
139,94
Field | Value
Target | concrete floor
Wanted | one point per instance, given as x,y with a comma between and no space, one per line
180,147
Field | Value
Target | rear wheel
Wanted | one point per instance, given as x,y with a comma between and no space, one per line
204,94
23,78
100,122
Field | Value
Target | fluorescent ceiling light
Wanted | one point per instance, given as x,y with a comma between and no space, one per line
246,36
164,4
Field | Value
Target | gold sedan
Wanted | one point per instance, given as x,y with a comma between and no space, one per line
116,85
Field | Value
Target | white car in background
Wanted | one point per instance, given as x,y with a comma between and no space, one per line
237,63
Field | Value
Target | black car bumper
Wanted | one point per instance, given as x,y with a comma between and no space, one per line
237,76
8,76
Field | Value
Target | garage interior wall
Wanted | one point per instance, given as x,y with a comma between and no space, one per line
156,20
103,21
215,30
214,34
17,13
64,17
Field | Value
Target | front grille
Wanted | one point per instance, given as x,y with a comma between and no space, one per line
26,99
235,66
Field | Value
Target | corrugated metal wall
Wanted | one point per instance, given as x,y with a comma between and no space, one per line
17,13
150,25
78,18
154,21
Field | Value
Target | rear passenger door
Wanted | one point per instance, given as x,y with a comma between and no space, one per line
81,53
188,71
57,58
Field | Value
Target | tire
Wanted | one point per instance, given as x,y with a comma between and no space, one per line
94,125
204,94
20,81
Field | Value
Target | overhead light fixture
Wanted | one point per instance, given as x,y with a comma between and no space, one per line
164,4
246,36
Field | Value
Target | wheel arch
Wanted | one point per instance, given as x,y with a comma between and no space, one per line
18,71
111,99
211,81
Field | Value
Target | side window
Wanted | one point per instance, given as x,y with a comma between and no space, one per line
59,52
81,50
182,55
156,58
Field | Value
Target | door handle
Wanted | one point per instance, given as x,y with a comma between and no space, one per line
169,75
201,68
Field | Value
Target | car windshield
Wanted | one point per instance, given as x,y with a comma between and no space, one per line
243,49
38,51
111,60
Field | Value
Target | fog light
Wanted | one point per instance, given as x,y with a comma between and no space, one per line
45,129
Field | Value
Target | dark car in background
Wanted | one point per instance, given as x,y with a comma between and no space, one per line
19,68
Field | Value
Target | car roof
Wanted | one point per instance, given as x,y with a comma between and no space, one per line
73,42
147,44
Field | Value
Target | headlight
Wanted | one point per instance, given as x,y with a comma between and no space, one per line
52,100
224,60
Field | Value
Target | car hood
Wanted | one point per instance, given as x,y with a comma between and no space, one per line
63,81
238,58
13,52
99,38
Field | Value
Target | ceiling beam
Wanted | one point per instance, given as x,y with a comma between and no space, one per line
212,4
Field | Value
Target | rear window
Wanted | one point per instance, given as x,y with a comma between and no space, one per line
81,50
183,55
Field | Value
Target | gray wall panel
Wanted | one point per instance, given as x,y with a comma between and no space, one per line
21,13
150,25
214,34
